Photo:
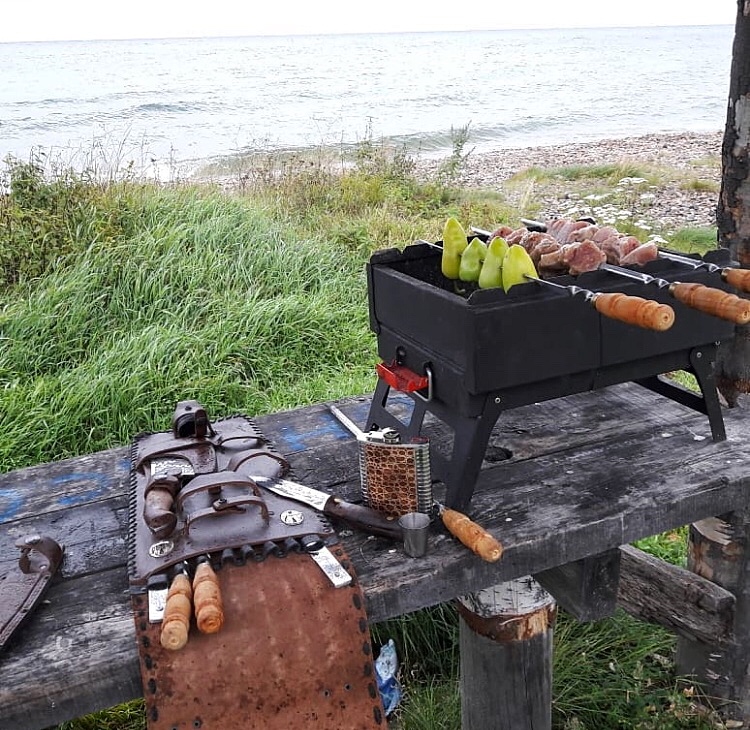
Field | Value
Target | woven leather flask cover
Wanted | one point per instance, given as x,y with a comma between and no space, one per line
396,478
294,652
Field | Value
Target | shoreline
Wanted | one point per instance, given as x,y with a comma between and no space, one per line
691,156
685,158
678,150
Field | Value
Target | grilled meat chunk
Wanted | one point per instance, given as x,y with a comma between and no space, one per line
583,256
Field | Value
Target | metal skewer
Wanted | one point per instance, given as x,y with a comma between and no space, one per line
429,243
698,296
641,312
738,278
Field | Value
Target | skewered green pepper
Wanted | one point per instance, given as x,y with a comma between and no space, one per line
517,265
471,260
454,244
491,275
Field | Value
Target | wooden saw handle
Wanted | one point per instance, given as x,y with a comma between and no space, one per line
712,301
209,608
176,622
641,312
738,278
158,512
476,538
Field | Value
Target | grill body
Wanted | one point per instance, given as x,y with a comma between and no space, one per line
488,351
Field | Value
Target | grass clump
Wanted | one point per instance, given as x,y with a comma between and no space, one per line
694,240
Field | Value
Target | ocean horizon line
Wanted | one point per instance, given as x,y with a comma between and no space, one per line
364,33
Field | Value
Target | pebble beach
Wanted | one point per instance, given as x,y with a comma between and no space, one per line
674,204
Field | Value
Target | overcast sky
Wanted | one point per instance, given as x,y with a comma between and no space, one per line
89,19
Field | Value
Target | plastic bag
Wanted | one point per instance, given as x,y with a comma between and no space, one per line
386,667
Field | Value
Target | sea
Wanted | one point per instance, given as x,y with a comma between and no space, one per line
182,103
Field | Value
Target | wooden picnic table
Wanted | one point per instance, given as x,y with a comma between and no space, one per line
564,484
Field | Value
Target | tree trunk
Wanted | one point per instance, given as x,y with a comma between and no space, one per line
733,210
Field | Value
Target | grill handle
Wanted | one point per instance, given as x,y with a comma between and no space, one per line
712,301
641,312
738,278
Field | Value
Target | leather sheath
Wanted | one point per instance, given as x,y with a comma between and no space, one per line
217,508
294,652
23,588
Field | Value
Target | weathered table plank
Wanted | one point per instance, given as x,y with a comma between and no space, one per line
587,473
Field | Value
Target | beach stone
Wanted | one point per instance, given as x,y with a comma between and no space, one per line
668,206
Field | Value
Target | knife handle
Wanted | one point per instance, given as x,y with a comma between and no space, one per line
712,301
364,518
738,278
177,610
476,538
641,312
209,607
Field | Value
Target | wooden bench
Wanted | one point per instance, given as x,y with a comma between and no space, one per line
587,474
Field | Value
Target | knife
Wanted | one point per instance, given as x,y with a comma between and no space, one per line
359,516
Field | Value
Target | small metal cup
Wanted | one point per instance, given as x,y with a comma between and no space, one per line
415,527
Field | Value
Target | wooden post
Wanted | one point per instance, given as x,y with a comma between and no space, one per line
719,550
506,657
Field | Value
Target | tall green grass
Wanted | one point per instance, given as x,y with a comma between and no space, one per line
119,299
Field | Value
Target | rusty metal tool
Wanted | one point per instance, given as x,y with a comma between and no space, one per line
641,312
21,590
738,278
704,298
356,515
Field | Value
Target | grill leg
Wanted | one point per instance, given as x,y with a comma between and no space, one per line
702,360
460,470
460,473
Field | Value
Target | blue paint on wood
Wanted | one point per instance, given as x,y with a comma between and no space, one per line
100,487
295,440
11,503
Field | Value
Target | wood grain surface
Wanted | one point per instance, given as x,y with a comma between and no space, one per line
585,474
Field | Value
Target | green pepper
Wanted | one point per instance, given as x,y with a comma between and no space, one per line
471,260
454,244
491,275
517,266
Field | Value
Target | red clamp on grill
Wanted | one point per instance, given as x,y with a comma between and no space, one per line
404,380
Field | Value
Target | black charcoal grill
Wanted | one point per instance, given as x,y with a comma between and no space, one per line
482,352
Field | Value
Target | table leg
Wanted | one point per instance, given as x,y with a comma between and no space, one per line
506,657
719,550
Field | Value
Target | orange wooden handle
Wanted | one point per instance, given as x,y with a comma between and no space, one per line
476,538
209,608
738,278
176,622
712,301
641,312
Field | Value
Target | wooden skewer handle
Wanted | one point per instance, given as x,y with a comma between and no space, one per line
712,301
209,607
641,312
476,538
738,278
177,611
